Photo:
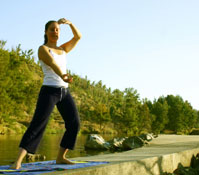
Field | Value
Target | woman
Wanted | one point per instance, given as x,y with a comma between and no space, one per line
54,91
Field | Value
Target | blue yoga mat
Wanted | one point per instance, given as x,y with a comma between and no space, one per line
46,166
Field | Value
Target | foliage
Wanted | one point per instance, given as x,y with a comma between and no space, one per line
182,117
159,111
121,111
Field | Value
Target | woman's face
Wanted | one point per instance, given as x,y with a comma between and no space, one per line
53,32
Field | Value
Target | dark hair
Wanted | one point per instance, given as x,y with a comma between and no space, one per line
46,28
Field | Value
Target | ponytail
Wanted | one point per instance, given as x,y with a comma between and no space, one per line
45,39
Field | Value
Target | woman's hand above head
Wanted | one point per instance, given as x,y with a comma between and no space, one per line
63,21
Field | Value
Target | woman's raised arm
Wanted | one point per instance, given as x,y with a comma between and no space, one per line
68,46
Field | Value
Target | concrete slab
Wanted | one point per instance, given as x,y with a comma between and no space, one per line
163,154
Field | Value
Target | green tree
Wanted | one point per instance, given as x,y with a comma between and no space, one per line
144,118
181,115
131,111
160,112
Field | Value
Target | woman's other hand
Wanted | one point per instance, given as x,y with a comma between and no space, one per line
67,78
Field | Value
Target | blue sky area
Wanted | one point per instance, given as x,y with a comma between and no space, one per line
149,45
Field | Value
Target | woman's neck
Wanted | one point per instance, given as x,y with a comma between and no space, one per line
52,45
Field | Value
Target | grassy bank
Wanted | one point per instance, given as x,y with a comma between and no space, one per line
55,127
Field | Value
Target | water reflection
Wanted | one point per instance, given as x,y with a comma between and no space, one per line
8,148
49,147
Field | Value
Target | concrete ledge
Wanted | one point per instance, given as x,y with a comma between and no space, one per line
152,160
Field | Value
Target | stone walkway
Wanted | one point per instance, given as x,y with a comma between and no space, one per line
161,154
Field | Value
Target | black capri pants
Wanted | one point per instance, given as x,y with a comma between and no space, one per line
48,98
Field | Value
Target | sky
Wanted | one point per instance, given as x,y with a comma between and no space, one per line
149,45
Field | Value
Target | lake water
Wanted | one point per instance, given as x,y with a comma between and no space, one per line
49,147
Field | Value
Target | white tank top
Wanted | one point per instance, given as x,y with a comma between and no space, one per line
50,77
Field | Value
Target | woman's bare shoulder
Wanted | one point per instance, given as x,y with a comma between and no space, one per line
42,48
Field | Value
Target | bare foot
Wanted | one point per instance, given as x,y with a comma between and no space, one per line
64,161
15,166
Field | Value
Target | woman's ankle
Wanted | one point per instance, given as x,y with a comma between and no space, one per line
16,165
62,153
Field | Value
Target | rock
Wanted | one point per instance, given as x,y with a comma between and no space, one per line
192,170
132,143
155,135
2,130
33,157
116,144
195,161
147,137
181,170
195,132
96,142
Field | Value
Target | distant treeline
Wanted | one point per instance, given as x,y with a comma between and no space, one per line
121,111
